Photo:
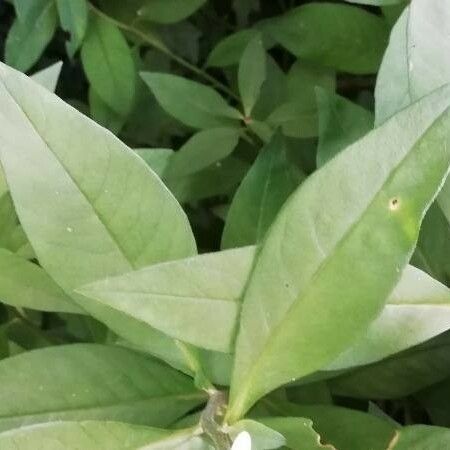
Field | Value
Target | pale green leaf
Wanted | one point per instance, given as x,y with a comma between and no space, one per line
192,103
169,11
92,382
251,73
30,34
355,43
262,436
86,435
109,65
48,77
306,269
260,196
98,197
202,150
195,300
421,437
73,15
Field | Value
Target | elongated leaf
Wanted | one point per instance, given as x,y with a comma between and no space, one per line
73,15
341,123
169,11
415,62
262,436
417,310
190,102
400,375
343,428
229,50
433,246
103,114
252,73
91,382
109,65
201,150
30,34
355,43
304,270
195,300
260,196
99,199
26,285
48,77
76,435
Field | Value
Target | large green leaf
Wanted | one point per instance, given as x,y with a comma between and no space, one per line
30,33
49,76
415,62
260,196
421,437
73,15
305,292
92,382
109,65
26,285
169,11
355,43
190,102
87,435
195,300
106,212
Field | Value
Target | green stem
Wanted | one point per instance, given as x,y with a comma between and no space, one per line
158,45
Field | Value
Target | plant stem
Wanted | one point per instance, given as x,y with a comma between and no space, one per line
214,408
158,45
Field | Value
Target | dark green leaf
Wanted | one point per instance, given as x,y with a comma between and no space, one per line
73,15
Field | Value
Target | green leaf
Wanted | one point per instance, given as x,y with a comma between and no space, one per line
169,11
48,77
26,285
73,15
30,34
158,159
421,437
252,73
109,65
92,382
230,49
299,432
417,310
375,2
202,150
98,198
262,436
355,43
433,246
435,401
76,435
260,196
103,114
415,61
171,297
192,103
344,428
341,123
304,269
219,179
400,375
